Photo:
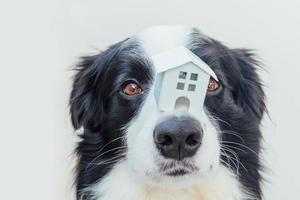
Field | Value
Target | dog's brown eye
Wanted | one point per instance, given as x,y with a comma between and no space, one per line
132,89
213,85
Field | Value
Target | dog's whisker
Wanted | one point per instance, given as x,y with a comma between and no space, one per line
236,157
230,158
214,117
227,157
103,162
233,147
110,150
108,143
232,133
241,145
111,160
108,161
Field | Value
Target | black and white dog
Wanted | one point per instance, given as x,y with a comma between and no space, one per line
131,151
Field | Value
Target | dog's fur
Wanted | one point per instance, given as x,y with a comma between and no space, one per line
116,155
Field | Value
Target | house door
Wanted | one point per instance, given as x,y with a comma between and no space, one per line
182,102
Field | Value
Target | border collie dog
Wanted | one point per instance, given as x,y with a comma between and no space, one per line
131,151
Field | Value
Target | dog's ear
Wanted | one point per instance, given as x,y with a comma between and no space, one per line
86,100
248,91
85,104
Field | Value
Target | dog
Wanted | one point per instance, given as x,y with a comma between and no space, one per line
128,150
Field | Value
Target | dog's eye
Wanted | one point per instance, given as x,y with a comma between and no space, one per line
131,88
213,85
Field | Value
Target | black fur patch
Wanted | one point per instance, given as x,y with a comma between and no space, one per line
97,105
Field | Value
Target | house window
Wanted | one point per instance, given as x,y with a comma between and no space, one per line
180,86
192,87
194,76
182,75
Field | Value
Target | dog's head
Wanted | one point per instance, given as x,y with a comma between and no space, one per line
112,99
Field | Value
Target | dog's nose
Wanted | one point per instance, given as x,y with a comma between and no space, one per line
178,137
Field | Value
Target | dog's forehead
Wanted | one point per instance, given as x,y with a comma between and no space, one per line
158,39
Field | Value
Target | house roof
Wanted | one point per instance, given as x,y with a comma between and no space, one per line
179,56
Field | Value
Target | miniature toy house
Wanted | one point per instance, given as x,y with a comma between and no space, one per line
181,81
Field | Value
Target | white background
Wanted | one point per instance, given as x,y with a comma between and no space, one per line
41,40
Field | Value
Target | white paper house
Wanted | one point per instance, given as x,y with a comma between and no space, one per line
182,80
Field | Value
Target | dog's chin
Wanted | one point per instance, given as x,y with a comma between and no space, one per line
174,176
179,178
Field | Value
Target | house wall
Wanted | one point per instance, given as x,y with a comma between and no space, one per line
169,91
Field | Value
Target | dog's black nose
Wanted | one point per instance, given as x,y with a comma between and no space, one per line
178,137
